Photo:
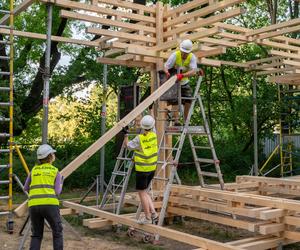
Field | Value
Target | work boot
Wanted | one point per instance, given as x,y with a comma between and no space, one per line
154,217
144,221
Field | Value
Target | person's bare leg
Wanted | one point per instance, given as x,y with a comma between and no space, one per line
187,106
145,203
151,205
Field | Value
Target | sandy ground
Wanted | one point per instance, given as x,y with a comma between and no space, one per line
72,240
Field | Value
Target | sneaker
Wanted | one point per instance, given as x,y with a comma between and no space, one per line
144,221
154,217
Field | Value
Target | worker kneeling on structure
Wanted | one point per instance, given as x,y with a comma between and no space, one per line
44,184
145,159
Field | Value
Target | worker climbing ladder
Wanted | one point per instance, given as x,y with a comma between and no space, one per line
6,102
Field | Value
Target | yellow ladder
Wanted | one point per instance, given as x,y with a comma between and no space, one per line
7,153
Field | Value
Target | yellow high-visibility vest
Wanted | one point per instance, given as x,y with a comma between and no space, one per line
146,160
183,66
41,190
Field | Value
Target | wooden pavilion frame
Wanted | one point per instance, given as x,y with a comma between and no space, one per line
143,36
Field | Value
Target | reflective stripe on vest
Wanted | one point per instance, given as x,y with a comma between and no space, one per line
184,66
41,190
146,160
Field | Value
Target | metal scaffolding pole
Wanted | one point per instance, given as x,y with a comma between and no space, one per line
103,128
47,75
255,126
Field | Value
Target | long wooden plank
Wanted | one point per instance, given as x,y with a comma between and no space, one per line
91,150
165,232
119,34
274,27
129,5
201,12
17,10
53,38
268,180
279,32
185,7
100,10
205,22
125,63
105,21
285,54
212,52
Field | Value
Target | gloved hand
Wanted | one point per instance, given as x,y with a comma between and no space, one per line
179,77
167,74
125,130
201,72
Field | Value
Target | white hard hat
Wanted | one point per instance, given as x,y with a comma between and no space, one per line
186,46
44,150
147,122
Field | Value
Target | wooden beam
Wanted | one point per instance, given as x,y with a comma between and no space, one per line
129,5
293,79
210,62
279,32
285,54
112,61
105,21
212,52
201,12
274,27
204,22
185,7
53,38
100,10
218,42
292,63
17,10
194,36
165,232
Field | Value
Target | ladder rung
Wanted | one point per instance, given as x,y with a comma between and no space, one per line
210,174
166,110
4,12
202,147
4,103
4,73
5,88
120,173
124,159
173,133
4,135
3,119
188,98
5,182
163,162
4,213
4,150
206,160
4,57
4,166
4,197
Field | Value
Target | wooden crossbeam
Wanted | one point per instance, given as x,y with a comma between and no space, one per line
211,52
100,10
53,38
293,79
113,61
17,10
268,180
118,34
279,32
129,5
185,7
292,63
201,12
165,232
274,27
285,54
204,22
105,21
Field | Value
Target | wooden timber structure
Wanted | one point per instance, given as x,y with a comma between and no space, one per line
143,36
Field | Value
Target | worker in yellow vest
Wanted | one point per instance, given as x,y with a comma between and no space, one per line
185,63
145,159
44,184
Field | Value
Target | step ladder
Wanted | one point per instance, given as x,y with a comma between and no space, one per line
6,120
169,156
113,197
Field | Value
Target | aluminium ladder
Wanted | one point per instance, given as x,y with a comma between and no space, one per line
169,155
113,197
6,102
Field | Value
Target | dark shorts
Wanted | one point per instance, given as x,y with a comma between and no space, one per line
186,91
143,179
